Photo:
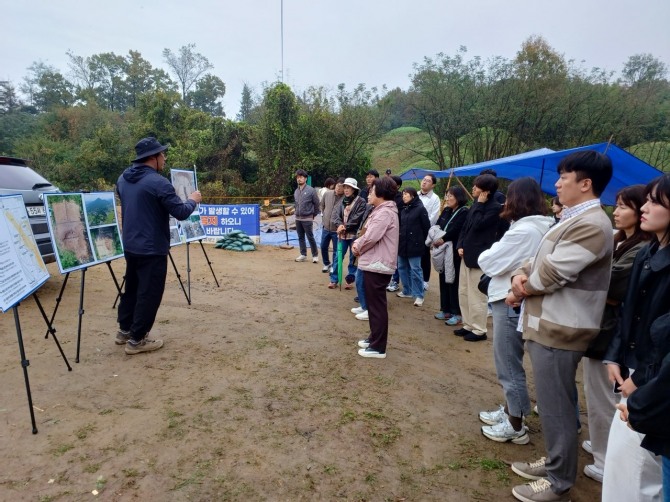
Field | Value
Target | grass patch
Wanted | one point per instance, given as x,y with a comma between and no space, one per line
62,449
83,432
91,468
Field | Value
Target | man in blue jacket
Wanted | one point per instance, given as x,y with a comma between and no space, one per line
147,201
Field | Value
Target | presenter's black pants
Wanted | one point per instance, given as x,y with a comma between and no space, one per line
145,283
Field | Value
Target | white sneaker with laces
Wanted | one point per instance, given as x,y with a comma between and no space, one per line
418,302
586,445
493,417
315,259
357,310
539,491
302,257
364,344
325,269
593,472
368,352
504,432
363,316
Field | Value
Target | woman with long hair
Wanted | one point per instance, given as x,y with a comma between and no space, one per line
451,221
635,356
600,400
525,208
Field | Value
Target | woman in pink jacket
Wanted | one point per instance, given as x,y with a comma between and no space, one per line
377,252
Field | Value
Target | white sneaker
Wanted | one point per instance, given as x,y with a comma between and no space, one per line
364,344
586,445
418,302
368,352
403,295
302,257
315,259
504,432
593,472
493,417
363,316
392,287
425,286
357,310
330,269
325,269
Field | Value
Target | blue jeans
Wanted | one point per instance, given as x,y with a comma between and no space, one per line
360,289
327,237
346,245
508,357
411,275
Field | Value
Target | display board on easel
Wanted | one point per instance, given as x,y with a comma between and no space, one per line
22,270
185,184
84,229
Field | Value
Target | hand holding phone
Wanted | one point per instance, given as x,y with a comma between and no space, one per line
625,373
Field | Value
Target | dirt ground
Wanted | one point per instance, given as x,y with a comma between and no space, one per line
258,394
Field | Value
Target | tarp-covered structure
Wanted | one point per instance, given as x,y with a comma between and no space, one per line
541,165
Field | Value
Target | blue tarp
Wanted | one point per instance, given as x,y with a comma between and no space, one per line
541,164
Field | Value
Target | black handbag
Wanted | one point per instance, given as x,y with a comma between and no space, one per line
483,285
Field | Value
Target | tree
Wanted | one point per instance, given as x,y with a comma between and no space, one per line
47,88
643,68
8,99
276,140
188,66
207,95
246,104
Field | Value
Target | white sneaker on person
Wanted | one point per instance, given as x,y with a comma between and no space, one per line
504,432
315,259
586,446
357,310
363,316
493,417
418,302
403,295
364,344
531,470
368,352
302,257
593,472
325,269
392,287
425,286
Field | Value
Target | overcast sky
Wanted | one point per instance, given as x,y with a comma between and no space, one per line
326,42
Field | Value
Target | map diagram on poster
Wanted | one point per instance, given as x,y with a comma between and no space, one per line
84,229
22,270
184,184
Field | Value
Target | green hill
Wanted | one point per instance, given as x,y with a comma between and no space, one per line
402,148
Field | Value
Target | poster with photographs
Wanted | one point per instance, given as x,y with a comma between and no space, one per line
84,229
184,184
103,225
176,236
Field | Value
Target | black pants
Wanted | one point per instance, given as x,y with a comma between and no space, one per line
145,283
426,264
449,293
375,295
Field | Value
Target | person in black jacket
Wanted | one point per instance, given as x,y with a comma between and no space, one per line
451,220
147,201
414,225
636,354
482,228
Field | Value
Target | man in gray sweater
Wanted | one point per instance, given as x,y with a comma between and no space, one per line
564,288
306,209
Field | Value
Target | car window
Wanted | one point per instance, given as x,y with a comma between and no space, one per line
20,178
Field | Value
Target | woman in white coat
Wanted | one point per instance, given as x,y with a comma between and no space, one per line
525,208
